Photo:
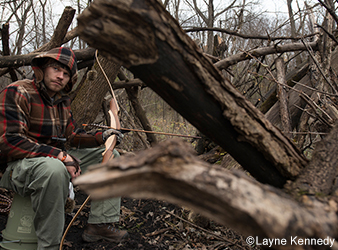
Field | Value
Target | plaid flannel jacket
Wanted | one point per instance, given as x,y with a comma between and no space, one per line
31,123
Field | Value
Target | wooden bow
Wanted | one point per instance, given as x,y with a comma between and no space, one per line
114,119
115,122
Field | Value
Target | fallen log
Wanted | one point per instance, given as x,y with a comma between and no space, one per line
25,60
171,171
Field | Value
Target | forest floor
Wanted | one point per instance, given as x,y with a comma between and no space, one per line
153,224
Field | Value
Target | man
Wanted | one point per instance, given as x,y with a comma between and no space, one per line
35,123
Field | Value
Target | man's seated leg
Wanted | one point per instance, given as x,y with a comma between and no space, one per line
46,181
104,215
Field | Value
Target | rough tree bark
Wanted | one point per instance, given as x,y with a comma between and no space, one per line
165,59
283,97
140,113
89,98
158,52
171,171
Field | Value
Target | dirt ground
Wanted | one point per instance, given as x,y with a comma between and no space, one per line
153,224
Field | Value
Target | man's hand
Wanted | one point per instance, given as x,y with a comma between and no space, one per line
71,164
73,172
106,134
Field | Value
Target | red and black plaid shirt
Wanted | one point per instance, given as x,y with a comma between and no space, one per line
30,122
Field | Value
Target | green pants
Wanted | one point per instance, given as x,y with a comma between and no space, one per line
46,181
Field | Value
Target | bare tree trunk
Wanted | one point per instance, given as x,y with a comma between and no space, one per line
89,98
132,93
293,25
283,97
44,37
5,48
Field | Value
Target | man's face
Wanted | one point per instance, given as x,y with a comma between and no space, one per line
55,78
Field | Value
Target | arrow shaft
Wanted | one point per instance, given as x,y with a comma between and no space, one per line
142,131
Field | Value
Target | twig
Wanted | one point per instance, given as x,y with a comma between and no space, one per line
315,108
158,232
304,96
201,228
318,67
292,88
71,222
231,32
328,33
330,10
316,90
304,110
307,133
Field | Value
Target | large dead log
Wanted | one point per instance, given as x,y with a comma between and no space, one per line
25,60
171,171
141,35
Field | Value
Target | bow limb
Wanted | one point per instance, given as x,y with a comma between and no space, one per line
114,119
114,122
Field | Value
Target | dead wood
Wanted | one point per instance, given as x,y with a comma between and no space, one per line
297,104
90,96
158,52
140,113
214,155
283,97
231,60
25,60
294,76
245,36
171,171
60,30
128,84
320,178
5,48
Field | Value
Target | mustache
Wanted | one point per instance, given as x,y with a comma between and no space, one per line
57,81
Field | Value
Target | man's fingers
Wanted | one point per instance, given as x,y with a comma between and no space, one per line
73,172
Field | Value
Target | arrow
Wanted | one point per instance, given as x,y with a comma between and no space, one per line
139,130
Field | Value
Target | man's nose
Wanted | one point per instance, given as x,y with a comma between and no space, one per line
60,74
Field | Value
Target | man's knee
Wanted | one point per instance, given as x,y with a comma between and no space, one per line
53,169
